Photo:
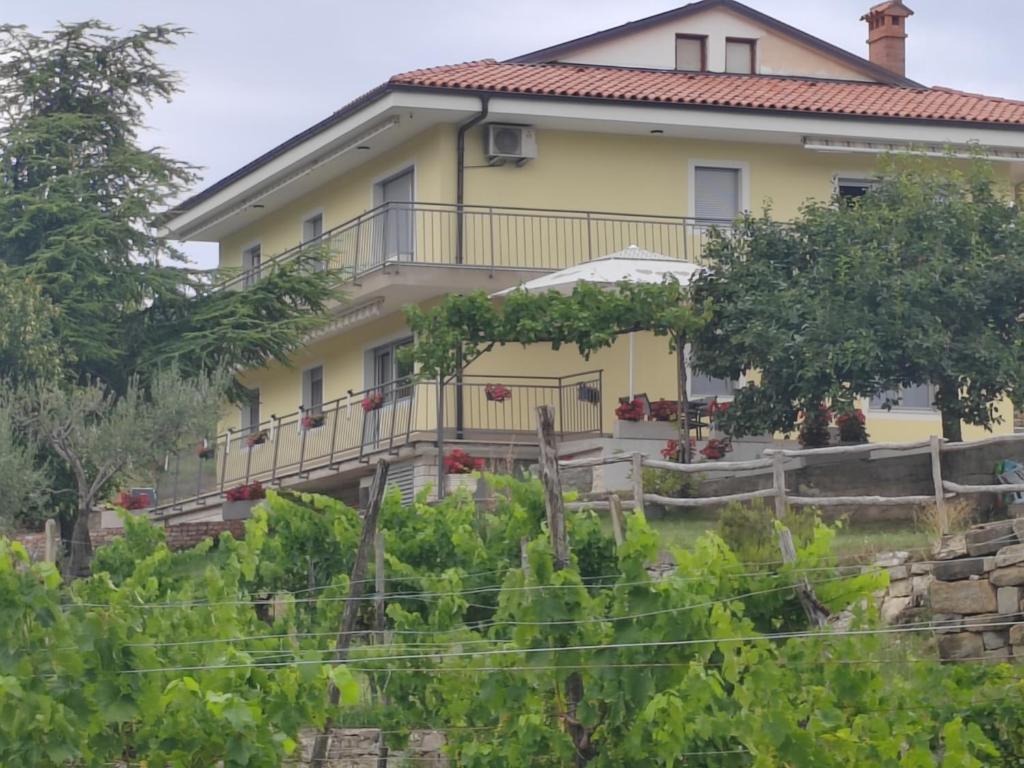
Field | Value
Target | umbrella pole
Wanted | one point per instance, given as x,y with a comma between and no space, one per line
632,389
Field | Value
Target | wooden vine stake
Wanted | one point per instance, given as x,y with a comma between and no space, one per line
356,588
555,507
615,510
817,614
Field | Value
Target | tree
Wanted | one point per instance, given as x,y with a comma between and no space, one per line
29,346
921,281
80,207
463,327
24,484
99,435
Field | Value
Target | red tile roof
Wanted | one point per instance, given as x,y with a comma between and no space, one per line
758,92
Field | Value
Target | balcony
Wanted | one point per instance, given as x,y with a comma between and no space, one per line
381,420
490,238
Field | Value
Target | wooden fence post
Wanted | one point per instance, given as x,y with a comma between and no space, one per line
356,588
52,538
615,510
935,449
555,506
779,483
638,483
817,614
553,501
380,619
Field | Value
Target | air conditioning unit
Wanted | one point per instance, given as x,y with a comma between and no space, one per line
517,143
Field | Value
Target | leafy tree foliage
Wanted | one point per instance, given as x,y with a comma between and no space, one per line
80,203
919,281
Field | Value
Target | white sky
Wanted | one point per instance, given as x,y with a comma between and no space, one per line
257,72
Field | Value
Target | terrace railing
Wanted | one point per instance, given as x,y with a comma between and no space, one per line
489,237
378,420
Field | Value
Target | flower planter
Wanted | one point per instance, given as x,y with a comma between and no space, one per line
454,483
257,438
205,454
588,393
497,393
646,430
312,422
238,510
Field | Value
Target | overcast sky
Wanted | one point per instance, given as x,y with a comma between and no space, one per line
257,72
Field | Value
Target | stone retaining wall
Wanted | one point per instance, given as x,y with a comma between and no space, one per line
364,748
977,596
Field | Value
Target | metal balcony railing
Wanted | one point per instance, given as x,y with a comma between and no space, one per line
489,237
501,410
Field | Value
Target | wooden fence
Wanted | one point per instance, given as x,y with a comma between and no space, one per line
775,458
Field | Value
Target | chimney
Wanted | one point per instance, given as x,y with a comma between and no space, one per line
887,35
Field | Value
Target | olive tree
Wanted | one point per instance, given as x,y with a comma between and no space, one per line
101,436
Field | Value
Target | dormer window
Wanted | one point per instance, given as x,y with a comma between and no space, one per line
691,53
739,55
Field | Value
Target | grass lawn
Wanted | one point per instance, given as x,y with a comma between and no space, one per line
856,542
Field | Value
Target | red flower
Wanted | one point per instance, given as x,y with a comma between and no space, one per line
312,421
665,410
133,501
716,408
672,452
716,449
497,393
631,411
373,401
458,462
252,492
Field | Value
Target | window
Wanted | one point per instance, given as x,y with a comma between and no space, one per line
850,189
691,53
312,227
397,236
918,397
250,410
716,194
251,259
701,386
739,56
313,390
389,372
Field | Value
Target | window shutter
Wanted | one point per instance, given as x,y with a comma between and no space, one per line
739,57
689,54
717,194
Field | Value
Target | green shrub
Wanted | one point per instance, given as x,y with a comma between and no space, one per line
665,482
749,530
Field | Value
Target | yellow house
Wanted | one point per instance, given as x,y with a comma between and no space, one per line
486,174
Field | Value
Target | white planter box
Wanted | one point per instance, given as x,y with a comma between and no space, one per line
646,430
456,482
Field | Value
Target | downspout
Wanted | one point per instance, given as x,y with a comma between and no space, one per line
460,194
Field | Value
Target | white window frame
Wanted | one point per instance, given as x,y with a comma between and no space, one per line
302,224
903,411
304,392
248,276
691,395
733,165
853,178
243,410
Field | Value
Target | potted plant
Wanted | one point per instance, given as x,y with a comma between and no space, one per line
851,427
632,410
673,450
204,450
814,428
665,410
133,501
716,448
257,438
497,393
239,501
458,467
312,421
373,400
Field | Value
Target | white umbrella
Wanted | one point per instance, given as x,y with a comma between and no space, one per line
632,264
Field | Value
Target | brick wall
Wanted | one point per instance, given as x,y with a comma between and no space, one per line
178,536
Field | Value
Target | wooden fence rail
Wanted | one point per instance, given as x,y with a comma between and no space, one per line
774,458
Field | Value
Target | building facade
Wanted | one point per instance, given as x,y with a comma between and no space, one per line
480,176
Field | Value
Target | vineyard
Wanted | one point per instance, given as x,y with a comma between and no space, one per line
224,652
